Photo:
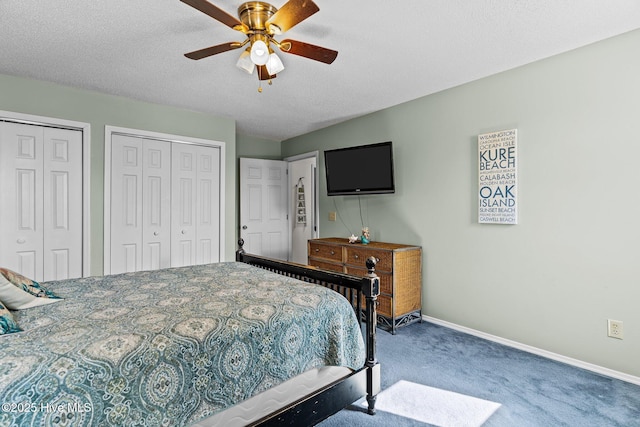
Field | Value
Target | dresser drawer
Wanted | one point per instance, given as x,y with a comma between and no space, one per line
386,279
318,250
326,265
357,256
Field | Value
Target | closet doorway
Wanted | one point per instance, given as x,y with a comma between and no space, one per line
44,181
164,200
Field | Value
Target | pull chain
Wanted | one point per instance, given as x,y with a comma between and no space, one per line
260,85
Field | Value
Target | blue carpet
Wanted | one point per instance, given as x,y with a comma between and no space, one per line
531,390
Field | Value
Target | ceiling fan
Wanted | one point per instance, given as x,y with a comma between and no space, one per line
261,22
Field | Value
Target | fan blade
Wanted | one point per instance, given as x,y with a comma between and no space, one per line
310,51
263,73
218,14
213,50
291,13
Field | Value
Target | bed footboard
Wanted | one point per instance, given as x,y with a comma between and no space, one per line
366,381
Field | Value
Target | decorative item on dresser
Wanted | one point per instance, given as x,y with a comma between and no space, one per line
398,266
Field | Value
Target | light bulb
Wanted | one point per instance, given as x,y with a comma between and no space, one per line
259,52
274,64
244,62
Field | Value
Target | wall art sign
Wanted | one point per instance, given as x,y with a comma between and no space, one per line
301,210
497,177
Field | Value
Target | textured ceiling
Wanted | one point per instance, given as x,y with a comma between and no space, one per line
390,52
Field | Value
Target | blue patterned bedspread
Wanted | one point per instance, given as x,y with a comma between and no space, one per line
168,347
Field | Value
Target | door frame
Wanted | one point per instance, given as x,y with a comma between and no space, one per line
315,184
85,128
316,189
138,133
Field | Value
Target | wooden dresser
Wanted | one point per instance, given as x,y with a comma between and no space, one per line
398,266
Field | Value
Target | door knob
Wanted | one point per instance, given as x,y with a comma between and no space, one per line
21,240
184,231
244,227
155,233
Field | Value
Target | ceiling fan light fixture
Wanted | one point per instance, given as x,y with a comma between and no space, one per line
259,22
245,63
259,52
274,64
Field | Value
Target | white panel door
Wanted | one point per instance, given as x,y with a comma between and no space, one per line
21,165
164,203
156,204
62,204
207,205
41,179
140,204
195,214
183,216
263,207
126,204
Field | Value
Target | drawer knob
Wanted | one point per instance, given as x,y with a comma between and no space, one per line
317,250
377,259
356,256
333,253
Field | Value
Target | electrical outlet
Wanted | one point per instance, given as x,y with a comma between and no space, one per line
614,329
332,216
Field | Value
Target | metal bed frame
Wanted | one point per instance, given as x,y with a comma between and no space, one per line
321,404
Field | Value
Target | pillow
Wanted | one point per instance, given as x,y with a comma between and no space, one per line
7,324
18,292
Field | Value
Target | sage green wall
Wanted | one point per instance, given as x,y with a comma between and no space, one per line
258,148
46,99
572,262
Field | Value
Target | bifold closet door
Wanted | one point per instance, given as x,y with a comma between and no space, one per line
62,204
195,201
41,182
140,204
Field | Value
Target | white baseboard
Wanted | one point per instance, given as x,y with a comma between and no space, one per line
544,353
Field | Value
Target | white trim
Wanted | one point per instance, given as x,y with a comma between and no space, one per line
302,156
316,190
538,351
85,128
138,133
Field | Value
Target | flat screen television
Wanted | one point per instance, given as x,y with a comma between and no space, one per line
365,169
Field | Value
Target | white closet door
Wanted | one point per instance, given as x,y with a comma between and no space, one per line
41,182
62,204
140,205
207,205
163,202
156,204
21,164
126,204
195,215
